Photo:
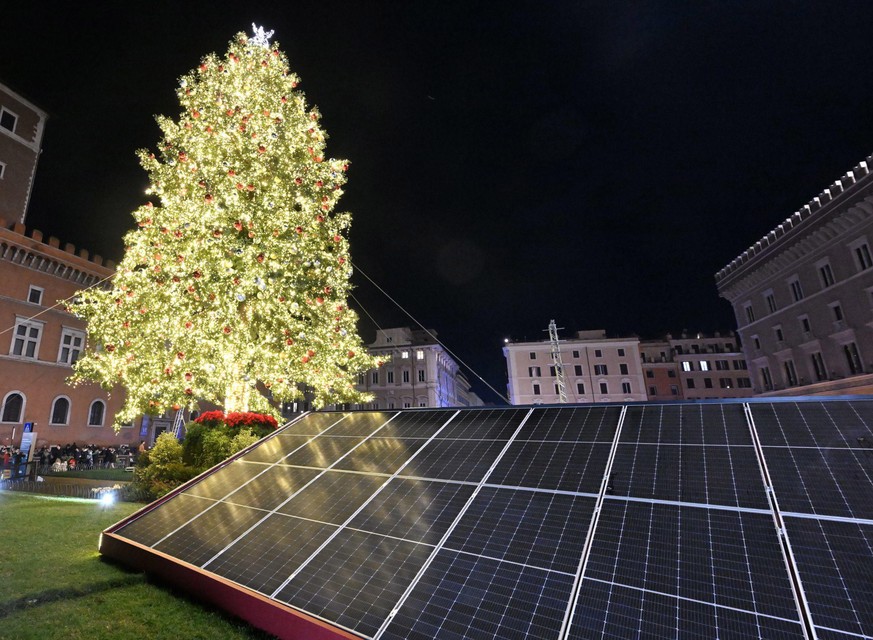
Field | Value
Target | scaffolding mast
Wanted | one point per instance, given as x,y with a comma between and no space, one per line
558,362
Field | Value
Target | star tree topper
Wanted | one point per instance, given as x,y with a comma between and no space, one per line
260,38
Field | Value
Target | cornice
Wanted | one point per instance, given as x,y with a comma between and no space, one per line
842,223
834,197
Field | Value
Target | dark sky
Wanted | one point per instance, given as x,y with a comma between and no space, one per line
591,162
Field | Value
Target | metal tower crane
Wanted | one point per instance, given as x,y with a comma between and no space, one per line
558,362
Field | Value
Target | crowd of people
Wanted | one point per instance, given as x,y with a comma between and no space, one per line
70,457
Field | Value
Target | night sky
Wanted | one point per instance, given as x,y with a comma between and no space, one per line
591,162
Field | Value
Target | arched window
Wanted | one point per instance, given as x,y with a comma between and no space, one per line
95,414
13,407
60,411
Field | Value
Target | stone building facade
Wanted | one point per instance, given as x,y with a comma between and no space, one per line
418,372
803,295
21,128
40,341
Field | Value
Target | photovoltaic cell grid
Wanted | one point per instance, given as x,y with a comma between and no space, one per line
485,523
823,482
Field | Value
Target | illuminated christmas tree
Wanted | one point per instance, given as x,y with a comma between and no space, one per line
233,286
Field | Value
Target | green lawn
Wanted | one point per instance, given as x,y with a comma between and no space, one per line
54,584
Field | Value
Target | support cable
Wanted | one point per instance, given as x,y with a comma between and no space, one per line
435,339
57,304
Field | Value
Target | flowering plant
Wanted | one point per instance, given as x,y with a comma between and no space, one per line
210,418
249,419
237,420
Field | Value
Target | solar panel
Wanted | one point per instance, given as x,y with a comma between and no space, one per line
537,528
464,596
836,564
707,520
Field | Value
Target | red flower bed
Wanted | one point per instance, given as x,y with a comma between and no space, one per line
237,419
249,419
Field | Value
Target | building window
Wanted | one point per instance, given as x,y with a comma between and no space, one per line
729,347
771,301
557,391
577,370
757,343
8,119
837,312
419,354
653,391
818,366
790,373
390,376
626,387
2,169
404,355
744,383
575,354
740,365
25,340
580,388
421,375
71,346
750,313
533,372
707,382
863,258
671,373
796,289
621,353
805,327
60,411
689,382
853,358
533,355
722,365
687,366
600,370
826,274
375,377
777,332
650,373
536,388
598,353
724,383
552,371
674,390
34,294
406,375
95,414
622,368
13,407
704,365
766,378
604,388
361,379
407,405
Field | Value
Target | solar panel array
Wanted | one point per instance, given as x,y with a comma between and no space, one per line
731,520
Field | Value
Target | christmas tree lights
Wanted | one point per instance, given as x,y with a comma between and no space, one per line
234,283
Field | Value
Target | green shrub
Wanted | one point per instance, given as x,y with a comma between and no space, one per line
192,445
245,438
163,471
215,447
166,450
